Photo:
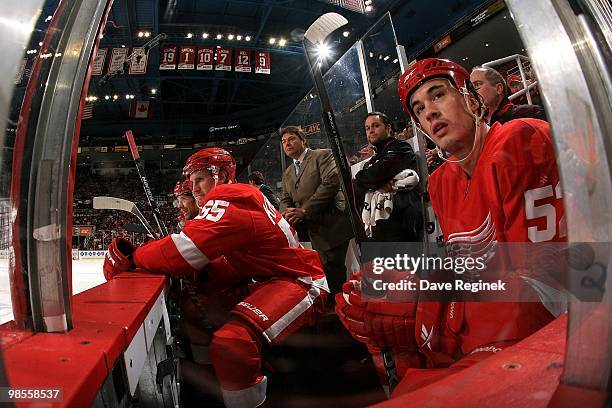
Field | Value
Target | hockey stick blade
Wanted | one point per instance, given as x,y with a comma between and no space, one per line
114,203
324,26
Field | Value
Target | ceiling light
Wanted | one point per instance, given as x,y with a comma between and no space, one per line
368,2
386,58
40,44
204,35
140,34
147,34
368,9
122,45
486,44
115,97
323,51
219,36
230,37
248,38
371,55
346,33
127,96
239,37
282,42
272,40
189,35
153,91
107,97
395,61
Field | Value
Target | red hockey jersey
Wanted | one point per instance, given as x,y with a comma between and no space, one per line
236,221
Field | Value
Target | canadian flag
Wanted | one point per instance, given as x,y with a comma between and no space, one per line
141,109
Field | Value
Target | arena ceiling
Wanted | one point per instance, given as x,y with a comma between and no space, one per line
185,104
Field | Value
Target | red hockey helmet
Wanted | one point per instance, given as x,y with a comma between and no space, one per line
513,78
213,159
182,188
425,70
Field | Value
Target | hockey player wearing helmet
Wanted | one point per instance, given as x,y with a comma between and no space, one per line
188,209
288,287
480,195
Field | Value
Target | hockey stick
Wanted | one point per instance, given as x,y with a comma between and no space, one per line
143,178
113,203
316,34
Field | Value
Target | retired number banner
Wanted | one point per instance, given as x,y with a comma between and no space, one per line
243,60
186,57
168,57
262,62
205,59
138,63
223,59
117,59
98,62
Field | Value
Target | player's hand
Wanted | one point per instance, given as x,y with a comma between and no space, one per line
351,309
117,258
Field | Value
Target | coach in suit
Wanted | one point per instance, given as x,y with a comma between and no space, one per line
312,197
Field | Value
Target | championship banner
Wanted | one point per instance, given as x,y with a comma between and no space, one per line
168,57
223,58
262,62
138,63
98,62
20,71
243,60
205,59
186,57
117,59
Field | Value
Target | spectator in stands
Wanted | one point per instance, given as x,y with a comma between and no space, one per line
491,86
388,180
256,179
312,197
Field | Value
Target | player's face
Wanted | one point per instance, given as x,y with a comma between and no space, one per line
376,130
491,94
292,145
202,183
187,206
442,113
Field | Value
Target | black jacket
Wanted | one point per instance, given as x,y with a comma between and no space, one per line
406,221
269,194
508,111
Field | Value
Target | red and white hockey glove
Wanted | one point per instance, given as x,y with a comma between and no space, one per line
117,258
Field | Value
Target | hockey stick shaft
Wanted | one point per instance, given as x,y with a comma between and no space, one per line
143,178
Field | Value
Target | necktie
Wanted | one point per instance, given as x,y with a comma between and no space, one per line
297,167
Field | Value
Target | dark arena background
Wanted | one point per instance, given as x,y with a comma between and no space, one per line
79,76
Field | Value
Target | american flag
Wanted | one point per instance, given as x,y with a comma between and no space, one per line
87,111
353,5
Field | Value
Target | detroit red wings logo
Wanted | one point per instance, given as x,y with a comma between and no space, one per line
479,242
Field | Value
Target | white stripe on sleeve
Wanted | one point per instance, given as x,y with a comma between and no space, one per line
189,251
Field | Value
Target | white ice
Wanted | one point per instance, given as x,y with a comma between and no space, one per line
86,273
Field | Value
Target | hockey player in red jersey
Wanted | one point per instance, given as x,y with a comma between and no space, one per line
235,220
494,187
188,209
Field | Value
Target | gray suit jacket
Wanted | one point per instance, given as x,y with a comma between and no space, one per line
317,190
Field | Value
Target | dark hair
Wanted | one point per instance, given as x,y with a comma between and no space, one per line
293,130
494,77
385,119
256,177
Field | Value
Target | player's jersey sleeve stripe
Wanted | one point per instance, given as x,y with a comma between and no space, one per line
189,251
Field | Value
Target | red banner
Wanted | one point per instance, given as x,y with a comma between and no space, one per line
168,58
262,62
243,60
205,59
83,231
138,63
187,57
98,62
223,59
